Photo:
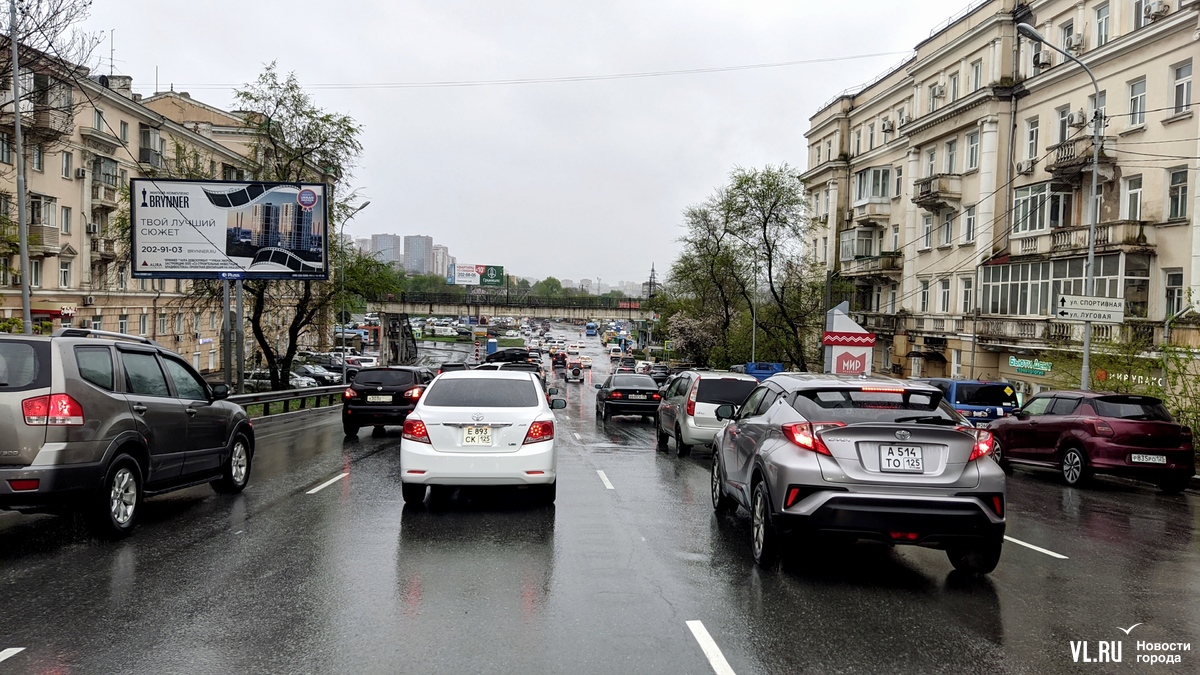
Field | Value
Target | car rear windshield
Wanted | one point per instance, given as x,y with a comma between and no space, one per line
454,366
628,361
635,381
24,365
854,405
992,394
384,378
481,392
725,390
1132,408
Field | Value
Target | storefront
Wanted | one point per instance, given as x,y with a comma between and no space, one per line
60,313
1028,374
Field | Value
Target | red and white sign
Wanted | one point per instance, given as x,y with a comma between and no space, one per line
837,339
850,364
849,346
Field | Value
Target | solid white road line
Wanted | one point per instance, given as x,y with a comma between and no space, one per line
604,479
715,658
577,436
10,652
1039,549
327,483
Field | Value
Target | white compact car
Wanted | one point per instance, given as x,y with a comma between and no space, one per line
480,427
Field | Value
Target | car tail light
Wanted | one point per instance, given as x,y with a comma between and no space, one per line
804,434
1185,432
539,431
885,390
349,393
691,402
904,536
656,396
792,495
24,484
415,392
984,442
615,394
56,410
998,505
414,430
1100,427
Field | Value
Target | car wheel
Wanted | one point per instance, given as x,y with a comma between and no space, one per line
661,436
606,414
998,454
548,492
1074,468
114,510
1174,484
764,544
413,493
351,430
683,449
722,503
236,472
978,558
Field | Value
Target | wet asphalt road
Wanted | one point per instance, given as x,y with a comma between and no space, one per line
348,580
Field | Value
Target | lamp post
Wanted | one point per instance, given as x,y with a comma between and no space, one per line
1090,269
342,291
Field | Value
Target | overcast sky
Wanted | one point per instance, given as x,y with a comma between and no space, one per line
570,179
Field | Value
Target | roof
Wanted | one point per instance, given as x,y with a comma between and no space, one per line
831,380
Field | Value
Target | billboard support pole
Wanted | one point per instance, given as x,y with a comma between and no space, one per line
239,340
226,353
22,215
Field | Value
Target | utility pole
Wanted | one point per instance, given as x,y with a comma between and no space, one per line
22,221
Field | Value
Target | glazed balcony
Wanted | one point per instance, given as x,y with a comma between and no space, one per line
876,210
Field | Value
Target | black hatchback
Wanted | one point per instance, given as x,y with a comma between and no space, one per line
382,396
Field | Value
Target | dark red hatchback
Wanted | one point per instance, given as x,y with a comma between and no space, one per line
1081,433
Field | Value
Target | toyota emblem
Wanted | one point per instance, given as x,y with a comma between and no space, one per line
478,417
903,435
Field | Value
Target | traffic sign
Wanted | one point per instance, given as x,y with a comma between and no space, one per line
1088,308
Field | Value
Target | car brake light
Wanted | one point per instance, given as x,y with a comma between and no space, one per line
539,431
886,390
804,434
984,442
691,402
656,396
415,392
56,410
24,484
615,394
1100,428
414,430
998,505
349,393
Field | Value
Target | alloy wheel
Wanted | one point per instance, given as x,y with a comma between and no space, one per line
759,523
238,463
122,499
1072,466
716,484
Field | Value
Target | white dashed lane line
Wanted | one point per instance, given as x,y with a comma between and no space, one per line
604,479
577,436
711,651
10,652
327,483
1039,549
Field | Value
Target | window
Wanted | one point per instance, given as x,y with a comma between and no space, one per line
828,150
179,323
933,87
895,238
824,249
1131,205
847,248
1101,108
97,322
964,286
196,322
1102,25
948,229
864,243
1031,138
956,362
162,324
969,224
125,132
1035,54
870,136
65,220
6,149
143,324
143,374
39,158
858,141
1066,32
1064,129
1139,18
951,155
1177,193
68,159
870,183
186,384
1137,102
42,210
1183,87
1021,289
64,274
123,323
1174,292
35,273
977,75
973,151
95,365
944,299
952,85
930,162
927,232
1137,284
122,278
1036,208
899,182
892,299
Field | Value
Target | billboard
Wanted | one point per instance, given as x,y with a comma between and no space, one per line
208,229
476,275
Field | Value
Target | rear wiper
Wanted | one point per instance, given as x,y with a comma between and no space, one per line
927,419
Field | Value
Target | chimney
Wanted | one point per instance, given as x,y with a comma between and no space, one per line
122,84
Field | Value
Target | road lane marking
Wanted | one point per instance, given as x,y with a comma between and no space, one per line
327,483
577,436
711,651
1039,549
10,652
604,479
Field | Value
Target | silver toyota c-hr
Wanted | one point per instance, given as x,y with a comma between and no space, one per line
860,458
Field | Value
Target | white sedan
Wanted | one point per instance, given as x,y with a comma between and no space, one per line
480,427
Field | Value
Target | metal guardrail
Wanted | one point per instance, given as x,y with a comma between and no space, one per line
331,395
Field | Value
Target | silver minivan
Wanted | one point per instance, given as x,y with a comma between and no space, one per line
688,411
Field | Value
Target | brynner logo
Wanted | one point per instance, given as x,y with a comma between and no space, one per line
168,202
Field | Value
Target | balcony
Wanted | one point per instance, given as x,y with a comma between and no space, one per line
938,192
151,157
104,196
40,123
877,322
104,249
43,240
876,210
1116,235
999,330
1072,161
99,140
887,265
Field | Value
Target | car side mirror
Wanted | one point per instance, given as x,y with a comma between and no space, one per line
1021,415
599,386
220,391
558,403
553,391
725,411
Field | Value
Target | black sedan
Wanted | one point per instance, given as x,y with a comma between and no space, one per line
627,394
322,375
382,396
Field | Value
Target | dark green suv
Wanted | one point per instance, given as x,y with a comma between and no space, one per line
97,421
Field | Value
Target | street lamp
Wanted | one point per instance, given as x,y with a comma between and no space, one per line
1090,283
342,292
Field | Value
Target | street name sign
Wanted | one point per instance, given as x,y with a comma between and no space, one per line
1087,308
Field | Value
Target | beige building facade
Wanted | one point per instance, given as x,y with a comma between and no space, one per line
953,191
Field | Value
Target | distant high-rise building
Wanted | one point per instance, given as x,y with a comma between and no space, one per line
568,283
418,254
363,245
585,285
441,259
386,247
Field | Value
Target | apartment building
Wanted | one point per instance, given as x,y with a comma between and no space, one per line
418,255
954,190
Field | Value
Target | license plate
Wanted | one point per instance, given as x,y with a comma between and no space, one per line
638,397
477,436
901,459
1149,459
379,399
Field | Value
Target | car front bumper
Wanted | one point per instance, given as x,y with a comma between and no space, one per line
533,464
